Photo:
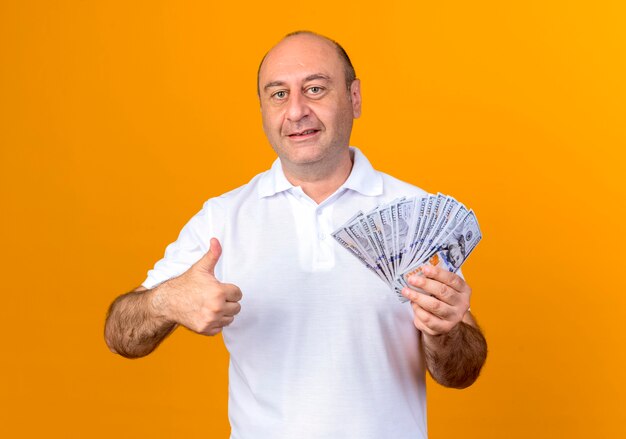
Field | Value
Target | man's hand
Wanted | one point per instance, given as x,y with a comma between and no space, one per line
445,304
454,347
196,299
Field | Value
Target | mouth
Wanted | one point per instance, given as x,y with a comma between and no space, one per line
303,134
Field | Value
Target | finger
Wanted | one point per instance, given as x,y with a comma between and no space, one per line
225,321
210,258
427,322
213,331
411,293
435,288
231,308
452,280
233,293
435,306
216,325
430,304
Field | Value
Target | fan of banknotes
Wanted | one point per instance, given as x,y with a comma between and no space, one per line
395,240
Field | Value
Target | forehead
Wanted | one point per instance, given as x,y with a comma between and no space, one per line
299,56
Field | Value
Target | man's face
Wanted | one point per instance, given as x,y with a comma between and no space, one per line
306,107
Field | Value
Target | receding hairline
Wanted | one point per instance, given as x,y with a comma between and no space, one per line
350,74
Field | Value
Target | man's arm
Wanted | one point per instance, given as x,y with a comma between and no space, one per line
454,347
138,321
133,328
456,358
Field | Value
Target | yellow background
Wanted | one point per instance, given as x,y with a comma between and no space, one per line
118,119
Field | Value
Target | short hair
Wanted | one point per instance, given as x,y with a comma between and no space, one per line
348,68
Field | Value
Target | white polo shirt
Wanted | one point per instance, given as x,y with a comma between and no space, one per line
321,348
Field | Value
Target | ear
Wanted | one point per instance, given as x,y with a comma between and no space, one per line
355,97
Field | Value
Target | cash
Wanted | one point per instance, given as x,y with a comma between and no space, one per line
395,240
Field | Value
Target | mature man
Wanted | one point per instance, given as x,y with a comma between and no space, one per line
319,347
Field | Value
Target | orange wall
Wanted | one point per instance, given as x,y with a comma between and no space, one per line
118,119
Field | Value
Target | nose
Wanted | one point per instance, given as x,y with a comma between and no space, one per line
297,108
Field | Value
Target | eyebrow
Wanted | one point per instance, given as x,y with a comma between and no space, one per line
312,77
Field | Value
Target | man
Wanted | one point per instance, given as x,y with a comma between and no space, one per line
455,251
319,347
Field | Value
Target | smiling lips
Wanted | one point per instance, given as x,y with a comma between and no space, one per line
303,134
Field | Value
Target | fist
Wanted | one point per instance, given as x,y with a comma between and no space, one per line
445,303
197,300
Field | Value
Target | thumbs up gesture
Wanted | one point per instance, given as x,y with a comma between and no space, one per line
196,299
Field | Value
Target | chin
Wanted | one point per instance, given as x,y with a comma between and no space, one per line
304,154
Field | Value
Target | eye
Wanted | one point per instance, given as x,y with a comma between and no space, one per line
315,90
280,94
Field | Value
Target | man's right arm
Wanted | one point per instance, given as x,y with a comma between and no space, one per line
138,321
133,326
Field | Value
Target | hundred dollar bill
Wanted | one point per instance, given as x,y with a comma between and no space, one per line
443,215
451,254
385,219
373,244
386,236
435,213
423,226
356,252
376,227
394,240
394,227
348,242
343,233
456,216
405,212
360,237
413,234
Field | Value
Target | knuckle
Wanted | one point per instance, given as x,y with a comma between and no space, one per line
201,327
418,323
442,290
220,294
206,317
456,282
428,330
465,302
214,331
435,306
426,319
215,307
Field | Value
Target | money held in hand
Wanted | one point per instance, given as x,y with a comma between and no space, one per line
397,239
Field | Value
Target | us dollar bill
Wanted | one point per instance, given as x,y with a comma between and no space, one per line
452,252
395,239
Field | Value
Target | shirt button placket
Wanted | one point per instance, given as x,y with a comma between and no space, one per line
318,223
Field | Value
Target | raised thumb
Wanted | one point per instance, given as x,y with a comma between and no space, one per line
210,258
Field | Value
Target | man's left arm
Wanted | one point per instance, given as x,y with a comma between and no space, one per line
454,347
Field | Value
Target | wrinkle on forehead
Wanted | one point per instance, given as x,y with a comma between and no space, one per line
289,53
315,76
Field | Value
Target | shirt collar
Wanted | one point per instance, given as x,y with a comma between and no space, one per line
363,178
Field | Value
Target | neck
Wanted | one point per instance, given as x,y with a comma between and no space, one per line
319,181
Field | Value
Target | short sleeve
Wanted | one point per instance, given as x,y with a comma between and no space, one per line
192,243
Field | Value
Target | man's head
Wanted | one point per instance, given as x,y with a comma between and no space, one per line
309,98
456,251
348,68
